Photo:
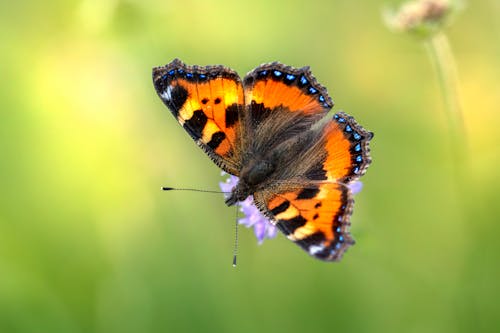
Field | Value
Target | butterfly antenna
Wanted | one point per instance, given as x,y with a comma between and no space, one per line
165,188
235,251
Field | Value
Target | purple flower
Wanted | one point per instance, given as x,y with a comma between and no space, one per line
356,187
253,217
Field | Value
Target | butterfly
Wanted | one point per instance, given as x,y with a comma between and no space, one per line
271,130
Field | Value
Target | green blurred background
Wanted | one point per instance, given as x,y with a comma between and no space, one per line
89,243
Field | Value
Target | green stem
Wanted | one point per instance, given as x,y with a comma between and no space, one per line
444,64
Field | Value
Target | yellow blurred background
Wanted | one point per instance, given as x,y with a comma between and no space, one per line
89,243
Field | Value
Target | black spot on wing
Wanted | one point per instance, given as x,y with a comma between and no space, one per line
231,115
216,140
308,193
258,112
290,225
280,208
316,172
315,239
194,125
178,96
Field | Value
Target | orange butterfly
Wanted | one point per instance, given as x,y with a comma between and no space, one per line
270,131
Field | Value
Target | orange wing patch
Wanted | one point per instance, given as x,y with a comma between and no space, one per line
316,218
346,144
206,101
276,85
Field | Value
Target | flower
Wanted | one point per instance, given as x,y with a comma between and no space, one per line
253,217
425,19
356,187
262,227
422,17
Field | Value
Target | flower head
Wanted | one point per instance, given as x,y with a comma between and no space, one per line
262,227
253,217
422,17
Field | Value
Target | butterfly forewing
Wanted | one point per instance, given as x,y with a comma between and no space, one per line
273,87
207,102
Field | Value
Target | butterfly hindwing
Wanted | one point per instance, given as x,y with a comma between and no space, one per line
313,207
347,147
315,217
207,102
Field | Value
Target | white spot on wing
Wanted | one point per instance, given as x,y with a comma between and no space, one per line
167,94
315,249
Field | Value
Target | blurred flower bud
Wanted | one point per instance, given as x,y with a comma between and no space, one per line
422,17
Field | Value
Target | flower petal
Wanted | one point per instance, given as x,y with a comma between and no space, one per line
356,187
253,217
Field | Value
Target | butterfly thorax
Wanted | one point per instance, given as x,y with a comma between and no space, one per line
251,177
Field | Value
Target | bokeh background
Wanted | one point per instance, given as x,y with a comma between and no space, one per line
89,243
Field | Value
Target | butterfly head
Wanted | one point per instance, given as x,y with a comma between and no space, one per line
239,193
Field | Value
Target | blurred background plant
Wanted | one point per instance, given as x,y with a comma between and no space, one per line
426,20
89,243
423,18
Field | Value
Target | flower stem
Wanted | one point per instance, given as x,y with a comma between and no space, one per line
444,64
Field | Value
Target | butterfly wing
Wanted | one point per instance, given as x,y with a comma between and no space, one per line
347,149
314,211
207,102
316,218
282,101
275,85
